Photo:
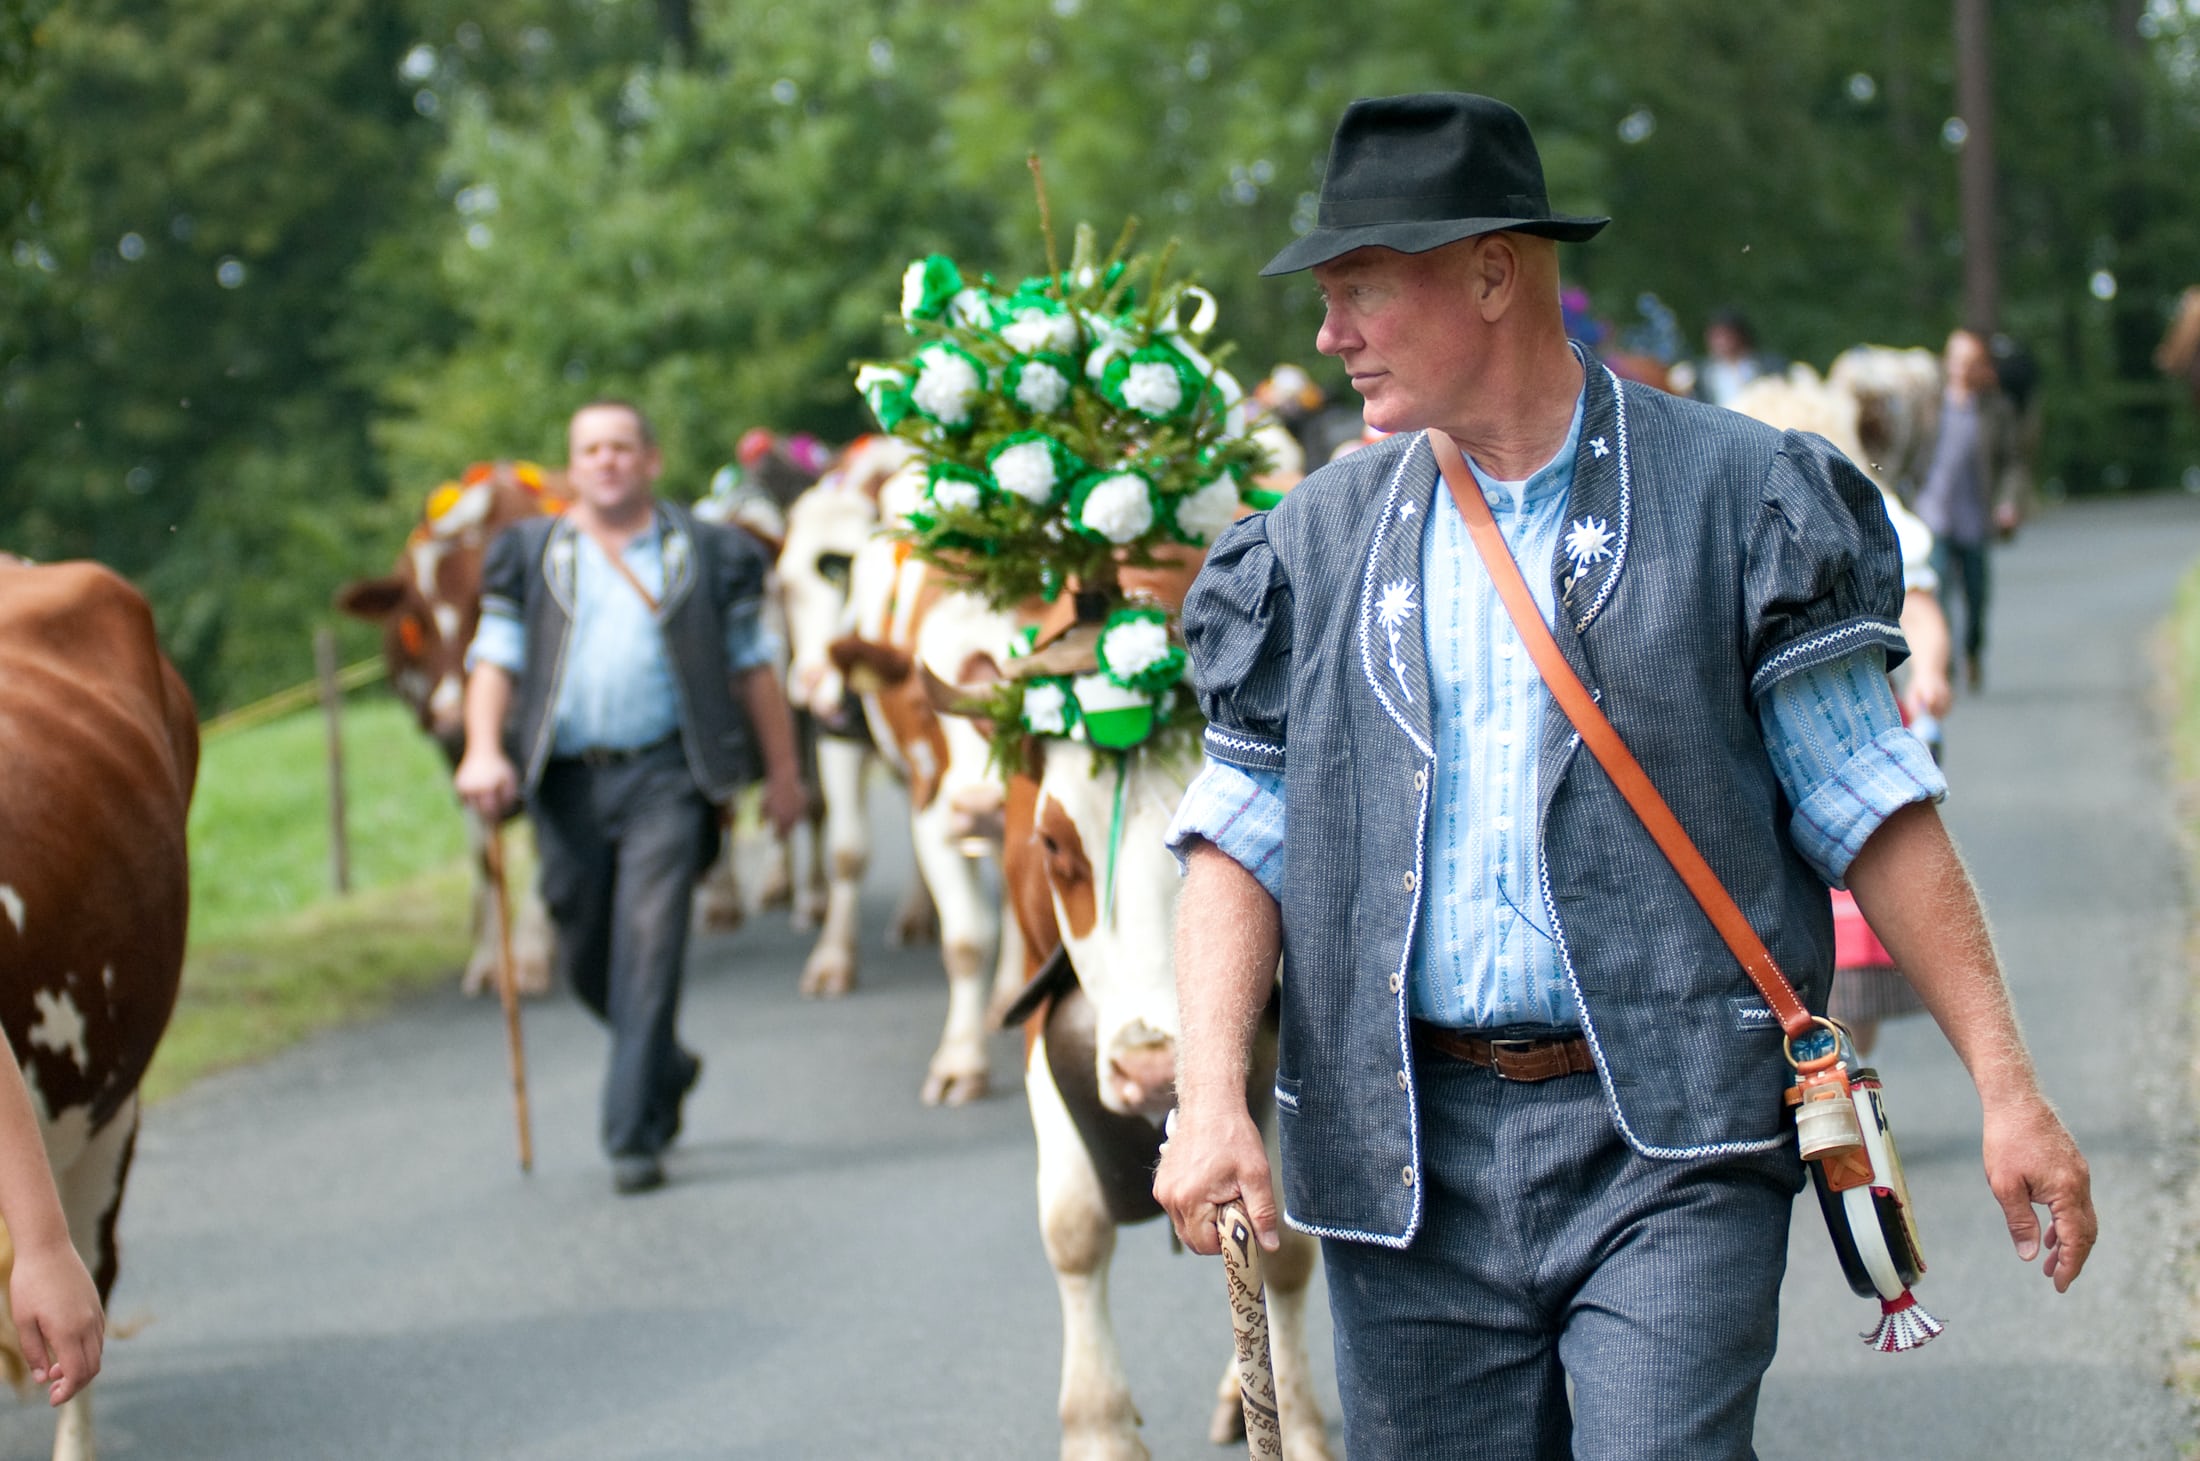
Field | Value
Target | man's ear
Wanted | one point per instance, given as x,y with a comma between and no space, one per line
1497,266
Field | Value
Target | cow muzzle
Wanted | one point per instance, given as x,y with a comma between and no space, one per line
1141,1073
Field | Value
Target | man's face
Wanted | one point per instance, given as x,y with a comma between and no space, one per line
610,465
1968,362
1407,330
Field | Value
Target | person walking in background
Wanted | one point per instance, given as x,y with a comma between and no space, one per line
1731,360
621,650
1975,486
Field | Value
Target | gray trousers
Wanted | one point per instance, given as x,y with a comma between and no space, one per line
622,846
1549,1249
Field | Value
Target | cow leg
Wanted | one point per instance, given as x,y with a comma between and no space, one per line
90,1189
1099,1422
531,935
534,941
718,905
968,924
916,920
778,888
481,964
1008,972
810,899
830,970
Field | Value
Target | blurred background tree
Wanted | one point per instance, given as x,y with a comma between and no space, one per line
273,270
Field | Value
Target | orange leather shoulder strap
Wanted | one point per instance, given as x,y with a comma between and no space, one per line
1605,744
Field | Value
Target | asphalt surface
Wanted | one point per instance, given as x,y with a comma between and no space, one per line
333,1254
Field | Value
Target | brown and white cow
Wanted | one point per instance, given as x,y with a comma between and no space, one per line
1897,394
1086,863
102,753
429,605
827,528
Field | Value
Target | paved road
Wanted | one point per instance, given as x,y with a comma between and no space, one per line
335,1257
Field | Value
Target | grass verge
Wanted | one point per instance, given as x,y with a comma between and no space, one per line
275,954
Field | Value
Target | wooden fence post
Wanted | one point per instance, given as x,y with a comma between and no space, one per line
332,711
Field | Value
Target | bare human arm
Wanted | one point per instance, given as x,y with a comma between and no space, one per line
1913,889
786,800
486,779
1926,628
52,1297
1229,937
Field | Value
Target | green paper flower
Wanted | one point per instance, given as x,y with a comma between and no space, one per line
1115,718
955,488
1041,384
1117,506
1136,653
1200,515
1050,709
927,285
1035,467
949,381
1036,325
1155,381
886,391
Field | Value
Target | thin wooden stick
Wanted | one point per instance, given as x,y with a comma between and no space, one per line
1249,1325
1055,285
492,852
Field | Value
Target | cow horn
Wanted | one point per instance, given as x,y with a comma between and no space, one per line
1075,653
951,699
868,665
1056,975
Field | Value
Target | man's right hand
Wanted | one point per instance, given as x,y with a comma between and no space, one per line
487,782
1207,1164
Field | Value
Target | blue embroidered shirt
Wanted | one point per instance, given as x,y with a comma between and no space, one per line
1486,961
617,692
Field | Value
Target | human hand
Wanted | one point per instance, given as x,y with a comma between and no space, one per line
57,1318
487,781
1926,694
1207,1164
2006,520
2031,1158
786,801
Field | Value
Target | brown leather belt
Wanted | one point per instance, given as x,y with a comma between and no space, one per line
1513,1060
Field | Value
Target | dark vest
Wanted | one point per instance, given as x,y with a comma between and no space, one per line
709,571
1739,555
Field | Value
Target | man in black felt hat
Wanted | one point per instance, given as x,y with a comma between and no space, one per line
1525,1093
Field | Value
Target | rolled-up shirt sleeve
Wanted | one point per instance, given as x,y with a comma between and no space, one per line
1242,813
748,642
1843,756
500,639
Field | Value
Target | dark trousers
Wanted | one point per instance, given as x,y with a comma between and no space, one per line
1549,1249
622,846
1963,567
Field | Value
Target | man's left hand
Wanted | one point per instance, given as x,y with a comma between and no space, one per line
2032,1158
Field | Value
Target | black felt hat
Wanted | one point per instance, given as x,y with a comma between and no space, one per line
1413,173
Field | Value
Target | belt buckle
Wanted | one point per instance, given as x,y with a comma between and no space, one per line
1499,1049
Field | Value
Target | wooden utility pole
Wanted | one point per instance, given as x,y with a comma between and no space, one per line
1975,168
332,711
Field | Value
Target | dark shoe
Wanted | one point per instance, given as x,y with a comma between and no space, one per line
636,1172
1974,673
690,1070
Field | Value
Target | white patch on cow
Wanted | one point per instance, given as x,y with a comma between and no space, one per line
427,560
60,1027
921,758
12,902
446,622
449,695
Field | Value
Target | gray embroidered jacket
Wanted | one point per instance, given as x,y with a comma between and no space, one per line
1738,555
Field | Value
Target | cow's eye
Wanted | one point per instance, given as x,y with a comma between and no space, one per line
833,568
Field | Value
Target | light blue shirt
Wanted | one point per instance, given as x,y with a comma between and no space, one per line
1486,962
617,692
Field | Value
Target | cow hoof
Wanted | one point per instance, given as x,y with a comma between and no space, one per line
829,974
478,980
1228,1426
1104,1448
954,1088
1305,1444
808,911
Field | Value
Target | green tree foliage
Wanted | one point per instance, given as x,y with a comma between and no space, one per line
291,264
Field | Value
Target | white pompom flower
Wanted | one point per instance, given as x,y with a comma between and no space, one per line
1034,330
1027,470
1119,508
1136,646
1152,388
958,494
912,289
1046,709
946,387
1041,389
1208,511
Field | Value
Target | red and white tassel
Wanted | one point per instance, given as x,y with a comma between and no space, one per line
1903,1325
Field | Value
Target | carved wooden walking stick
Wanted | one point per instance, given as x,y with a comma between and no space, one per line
1249,1324
492,852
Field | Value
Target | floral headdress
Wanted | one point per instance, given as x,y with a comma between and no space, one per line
1068,426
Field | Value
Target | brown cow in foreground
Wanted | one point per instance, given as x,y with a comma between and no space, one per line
102,748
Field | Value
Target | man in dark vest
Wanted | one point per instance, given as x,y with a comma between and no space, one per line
622,685
1526,1096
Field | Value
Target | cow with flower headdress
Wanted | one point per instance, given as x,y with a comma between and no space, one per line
1078,445
428,605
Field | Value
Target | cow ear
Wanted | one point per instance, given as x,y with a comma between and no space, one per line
372,599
